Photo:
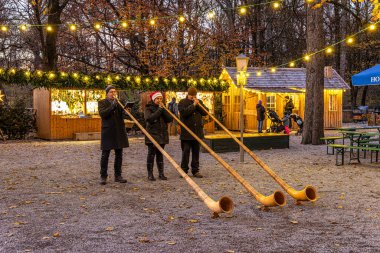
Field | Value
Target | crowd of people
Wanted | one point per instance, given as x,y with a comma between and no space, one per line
157,118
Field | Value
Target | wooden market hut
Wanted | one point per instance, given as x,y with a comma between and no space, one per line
65,113
272,88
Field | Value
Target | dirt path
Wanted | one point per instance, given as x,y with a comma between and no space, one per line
50,201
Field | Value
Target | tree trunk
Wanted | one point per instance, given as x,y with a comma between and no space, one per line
364,95
314,104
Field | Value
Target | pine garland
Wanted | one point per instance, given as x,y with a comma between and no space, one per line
40,79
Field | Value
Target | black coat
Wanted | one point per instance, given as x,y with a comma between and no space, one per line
191,116
289,106
157,120
260,112
114,135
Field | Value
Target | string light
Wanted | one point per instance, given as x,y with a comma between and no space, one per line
350,40
97,26
49,28
23,27
73,27
292,64
211,15
124,24
273,70
276,5
329,50
152,22
4,28
258,73
243,10
51,75
372,27
306,57
181,19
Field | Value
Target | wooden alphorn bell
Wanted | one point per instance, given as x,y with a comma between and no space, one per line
309,193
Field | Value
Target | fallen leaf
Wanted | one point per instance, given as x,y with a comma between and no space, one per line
56,234
144,239
110,228
294,222
45,238
17,223
171,217
193,220
229,251
171,243
340,207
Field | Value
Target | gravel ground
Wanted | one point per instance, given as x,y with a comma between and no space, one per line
50,201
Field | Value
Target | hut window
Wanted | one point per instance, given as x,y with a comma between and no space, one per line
271,102
332,102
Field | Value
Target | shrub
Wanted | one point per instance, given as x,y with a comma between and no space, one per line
16,121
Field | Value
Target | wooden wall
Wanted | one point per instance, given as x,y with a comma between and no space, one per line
333,118
41,102
65,127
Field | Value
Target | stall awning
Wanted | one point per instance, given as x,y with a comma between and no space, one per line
370,76
274,90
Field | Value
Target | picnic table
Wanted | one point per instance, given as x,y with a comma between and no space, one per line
358,128
359,141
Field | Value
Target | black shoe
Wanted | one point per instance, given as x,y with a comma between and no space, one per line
120,179
103,180
198,175
162,177
151,177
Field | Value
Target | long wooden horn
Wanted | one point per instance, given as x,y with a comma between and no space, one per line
309,193
276,199
224,205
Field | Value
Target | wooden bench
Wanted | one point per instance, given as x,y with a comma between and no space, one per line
87,136
340,148
331,140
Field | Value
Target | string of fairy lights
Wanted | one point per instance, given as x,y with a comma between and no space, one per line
85,79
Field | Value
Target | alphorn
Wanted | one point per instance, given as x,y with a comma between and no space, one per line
309,193
224,205
276,199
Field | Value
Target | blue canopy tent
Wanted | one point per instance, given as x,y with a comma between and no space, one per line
369,76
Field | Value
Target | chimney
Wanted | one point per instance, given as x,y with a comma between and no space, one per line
328,72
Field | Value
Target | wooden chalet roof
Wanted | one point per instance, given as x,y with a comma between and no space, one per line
282,79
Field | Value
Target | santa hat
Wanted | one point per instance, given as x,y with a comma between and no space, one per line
155,94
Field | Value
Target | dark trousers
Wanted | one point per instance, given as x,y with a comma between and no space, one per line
152,152
104,162
260,126
194,147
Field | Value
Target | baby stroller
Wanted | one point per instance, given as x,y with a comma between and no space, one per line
276,124
298,121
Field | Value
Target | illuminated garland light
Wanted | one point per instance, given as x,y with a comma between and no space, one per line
124,24
329,50
49,28
273,70
306,57
152,22
100,81
4,28
258,73
292,64
181,19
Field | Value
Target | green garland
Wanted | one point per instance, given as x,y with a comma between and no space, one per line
40,79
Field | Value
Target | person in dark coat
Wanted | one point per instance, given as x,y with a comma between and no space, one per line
157,119
260,115
191,115
289,106
113,135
